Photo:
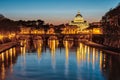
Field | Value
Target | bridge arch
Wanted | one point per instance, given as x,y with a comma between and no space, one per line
23,37
53,43
53,38
68,38
68,44
38,37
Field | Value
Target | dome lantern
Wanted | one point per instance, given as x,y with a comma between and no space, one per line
78,15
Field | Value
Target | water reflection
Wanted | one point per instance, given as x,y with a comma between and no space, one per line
73,62
38,46
68,44
7,60
53,44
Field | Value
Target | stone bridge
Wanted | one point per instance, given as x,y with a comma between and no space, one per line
55,36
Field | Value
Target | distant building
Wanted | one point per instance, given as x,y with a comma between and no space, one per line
29,30
79,22
25,30
37,31
70,30
95,28
50,31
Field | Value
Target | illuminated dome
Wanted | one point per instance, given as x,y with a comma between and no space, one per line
78,18
79,21
78,15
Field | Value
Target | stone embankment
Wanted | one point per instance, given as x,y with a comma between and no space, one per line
6,46
106,49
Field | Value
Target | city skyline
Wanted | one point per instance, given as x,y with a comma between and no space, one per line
55,11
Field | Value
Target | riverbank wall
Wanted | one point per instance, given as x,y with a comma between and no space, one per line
112,41
106,44
6,46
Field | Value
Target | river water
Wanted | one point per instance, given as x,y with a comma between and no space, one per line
53,60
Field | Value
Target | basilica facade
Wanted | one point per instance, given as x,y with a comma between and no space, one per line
79,22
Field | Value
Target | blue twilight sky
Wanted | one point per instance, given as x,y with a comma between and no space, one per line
55,11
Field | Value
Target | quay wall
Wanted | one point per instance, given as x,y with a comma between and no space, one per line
6,46
107,40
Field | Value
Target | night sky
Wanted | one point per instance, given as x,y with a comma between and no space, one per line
55,11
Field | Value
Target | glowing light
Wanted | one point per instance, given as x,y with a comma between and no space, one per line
1,37
66,56
79,22
53,44
93,58
101,60
2,56
70,30
25,30
39,48
11,35
3,71
24,50
7,54
14,51
88,54
78,55
66,50
51,31
10,51
97,31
